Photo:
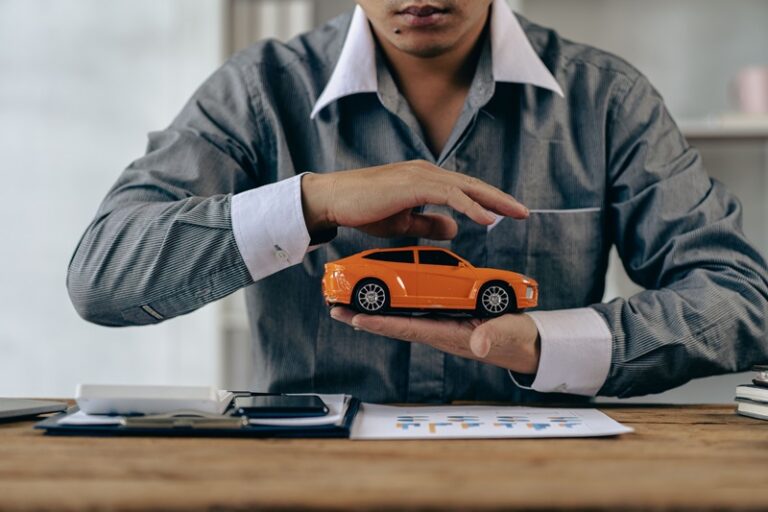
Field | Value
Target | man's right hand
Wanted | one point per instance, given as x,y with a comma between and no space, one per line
380,200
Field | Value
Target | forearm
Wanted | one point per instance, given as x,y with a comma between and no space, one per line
143,262
162,243
704,314
712,322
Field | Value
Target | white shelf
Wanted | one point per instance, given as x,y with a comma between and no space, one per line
726,127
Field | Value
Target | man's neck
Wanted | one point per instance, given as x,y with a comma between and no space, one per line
455,67
436,87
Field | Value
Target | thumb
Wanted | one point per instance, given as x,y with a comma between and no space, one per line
482,339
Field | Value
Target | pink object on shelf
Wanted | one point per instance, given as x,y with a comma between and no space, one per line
751,90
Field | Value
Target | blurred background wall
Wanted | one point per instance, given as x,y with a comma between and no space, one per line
81,84
83,81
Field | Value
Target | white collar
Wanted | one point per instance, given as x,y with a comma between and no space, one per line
514,59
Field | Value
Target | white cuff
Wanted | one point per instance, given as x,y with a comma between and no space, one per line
576,347
269,227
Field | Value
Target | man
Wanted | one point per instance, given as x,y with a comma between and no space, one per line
434,120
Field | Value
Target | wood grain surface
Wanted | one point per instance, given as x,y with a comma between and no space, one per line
680,457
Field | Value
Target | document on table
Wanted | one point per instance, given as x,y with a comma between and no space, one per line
477,422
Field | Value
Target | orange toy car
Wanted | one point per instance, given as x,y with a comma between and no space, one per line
424,278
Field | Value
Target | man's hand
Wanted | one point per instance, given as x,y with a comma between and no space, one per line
509,341
380,200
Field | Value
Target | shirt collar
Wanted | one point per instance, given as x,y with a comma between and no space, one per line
514,59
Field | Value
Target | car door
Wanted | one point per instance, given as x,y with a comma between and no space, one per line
399,273
444,280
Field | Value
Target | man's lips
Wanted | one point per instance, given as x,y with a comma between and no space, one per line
422,10
423,15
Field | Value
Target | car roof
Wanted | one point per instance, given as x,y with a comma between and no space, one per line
410,248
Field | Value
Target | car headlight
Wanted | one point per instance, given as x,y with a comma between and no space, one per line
529,292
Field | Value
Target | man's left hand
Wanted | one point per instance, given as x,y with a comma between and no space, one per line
509,341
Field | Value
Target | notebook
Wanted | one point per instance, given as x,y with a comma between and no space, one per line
128,400
752,401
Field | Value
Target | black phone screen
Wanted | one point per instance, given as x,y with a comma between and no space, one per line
279,406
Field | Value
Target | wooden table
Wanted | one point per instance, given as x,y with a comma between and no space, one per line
690,457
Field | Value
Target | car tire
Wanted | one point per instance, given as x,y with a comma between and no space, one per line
495,299
371,297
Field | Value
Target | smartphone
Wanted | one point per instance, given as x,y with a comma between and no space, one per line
279,406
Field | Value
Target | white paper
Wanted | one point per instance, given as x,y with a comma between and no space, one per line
82,418
477,422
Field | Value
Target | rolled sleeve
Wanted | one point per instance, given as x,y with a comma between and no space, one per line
575,355
269,227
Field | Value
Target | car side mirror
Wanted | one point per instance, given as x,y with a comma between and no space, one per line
462,264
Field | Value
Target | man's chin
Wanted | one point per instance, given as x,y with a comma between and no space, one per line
424,49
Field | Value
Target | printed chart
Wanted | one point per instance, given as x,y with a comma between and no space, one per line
460,422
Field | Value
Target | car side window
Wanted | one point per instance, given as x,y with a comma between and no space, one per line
438,258
391,256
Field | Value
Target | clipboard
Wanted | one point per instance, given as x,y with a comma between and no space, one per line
203,426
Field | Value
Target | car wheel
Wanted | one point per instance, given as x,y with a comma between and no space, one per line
371,296
495,299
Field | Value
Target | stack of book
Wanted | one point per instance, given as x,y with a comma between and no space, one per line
752,399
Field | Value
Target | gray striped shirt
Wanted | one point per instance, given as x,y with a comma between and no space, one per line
603,165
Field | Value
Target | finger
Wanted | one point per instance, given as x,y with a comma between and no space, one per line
406,223
450,195
400,327
485,337
493,335
447,335
485,194
432,226
492,198
342,314
480,344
